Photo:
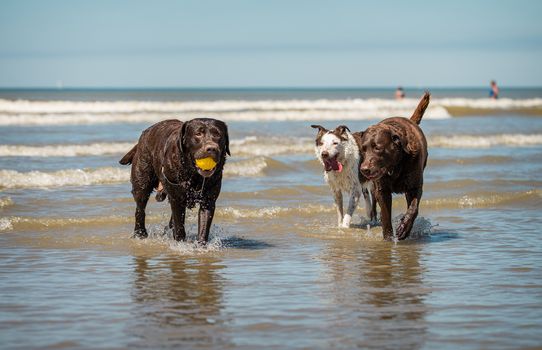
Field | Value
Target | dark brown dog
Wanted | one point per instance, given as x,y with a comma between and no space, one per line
394,155
166,154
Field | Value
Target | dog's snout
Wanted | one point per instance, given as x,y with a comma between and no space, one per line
365,169
211,148
325,154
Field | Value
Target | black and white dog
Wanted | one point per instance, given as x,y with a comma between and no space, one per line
338,151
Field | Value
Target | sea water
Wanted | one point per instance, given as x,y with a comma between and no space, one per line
277,272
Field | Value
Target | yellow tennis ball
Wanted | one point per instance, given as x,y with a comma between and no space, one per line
205,163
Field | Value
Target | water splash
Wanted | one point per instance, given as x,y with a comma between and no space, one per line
162,235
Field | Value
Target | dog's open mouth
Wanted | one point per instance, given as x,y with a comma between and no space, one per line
206,173
332,164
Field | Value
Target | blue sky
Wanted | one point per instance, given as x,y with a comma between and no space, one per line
269,43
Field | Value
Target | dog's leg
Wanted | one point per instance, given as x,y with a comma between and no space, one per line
338,196
205,218
383,197
142,178
141,197
370,201
407,221
178,211
352,204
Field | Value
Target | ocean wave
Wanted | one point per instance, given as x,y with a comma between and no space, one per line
22,112
273,212
65,177
253,146
485,141
60,150
271,146
5,202
36,223
254,167
220,106
109,175
248,146
483,200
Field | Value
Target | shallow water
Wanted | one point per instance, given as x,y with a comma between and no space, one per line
277,273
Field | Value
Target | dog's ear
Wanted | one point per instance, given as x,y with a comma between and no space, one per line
358,137
227,140
182,136
340,131
319,127
402,143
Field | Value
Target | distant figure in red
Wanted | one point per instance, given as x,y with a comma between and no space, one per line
494,90
399,93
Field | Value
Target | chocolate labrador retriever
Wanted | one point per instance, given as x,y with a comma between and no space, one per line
394,154
166,153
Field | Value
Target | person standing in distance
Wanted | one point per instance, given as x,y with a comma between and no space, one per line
494,90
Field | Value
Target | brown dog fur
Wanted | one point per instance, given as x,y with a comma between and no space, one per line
394,156
166,154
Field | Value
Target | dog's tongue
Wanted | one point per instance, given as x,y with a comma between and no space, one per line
333,164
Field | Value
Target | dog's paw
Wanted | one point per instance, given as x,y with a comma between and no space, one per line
141,234
403,229
346,221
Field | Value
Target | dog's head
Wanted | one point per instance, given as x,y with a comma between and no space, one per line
381,150
330,146
203,138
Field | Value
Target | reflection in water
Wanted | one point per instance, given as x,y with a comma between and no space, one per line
382,284
178,302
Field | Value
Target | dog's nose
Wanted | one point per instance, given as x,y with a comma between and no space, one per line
325,154
211,149
365,170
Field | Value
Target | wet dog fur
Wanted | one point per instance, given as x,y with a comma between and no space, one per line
394,156
164,158
338,152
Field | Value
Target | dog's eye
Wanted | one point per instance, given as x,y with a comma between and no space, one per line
335,142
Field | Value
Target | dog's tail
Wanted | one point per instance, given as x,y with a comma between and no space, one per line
420,110
127,159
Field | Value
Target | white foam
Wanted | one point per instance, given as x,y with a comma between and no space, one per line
66,177
107,175
93,149
164,237
485,141
5,201
271,212
247,167
21,112
271,146
261,147
6,224
249,146
487,103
